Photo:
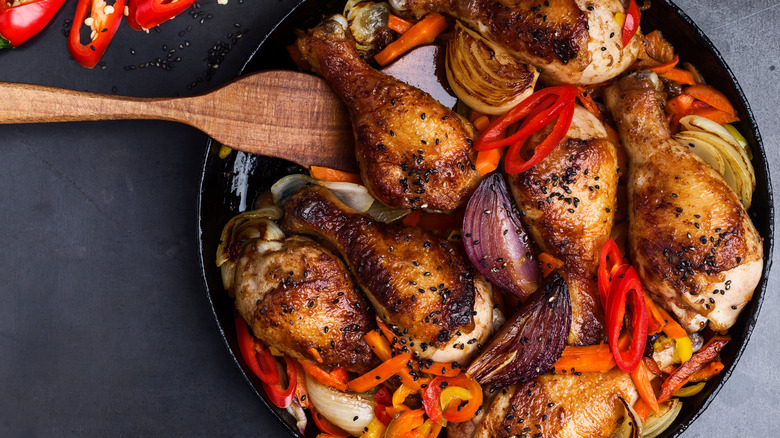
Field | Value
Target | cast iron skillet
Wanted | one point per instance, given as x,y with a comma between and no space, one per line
230,186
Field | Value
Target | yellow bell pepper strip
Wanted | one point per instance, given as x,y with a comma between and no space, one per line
434,402
261,364
424,31
381,373
688,391
404,423
375,429
642,378
337,378
326,426
683,349
681,375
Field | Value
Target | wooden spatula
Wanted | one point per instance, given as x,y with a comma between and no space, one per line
285,114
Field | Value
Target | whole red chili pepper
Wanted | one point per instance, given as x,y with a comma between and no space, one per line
150,13
22,20
103,21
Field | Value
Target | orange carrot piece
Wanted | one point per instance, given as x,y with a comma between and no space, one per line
328,174
591,358
642,377
380,345
381,373
671,327
588,102
438,369
679,104
679,75
487,161
711,370
710,96
482,123
656,321
665,67
682,375
314,354
398,24
549,263
423,32
642,410
716,115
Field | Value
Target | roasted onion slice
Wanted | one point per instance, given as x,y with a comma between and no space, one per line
484,75
495,240
531,341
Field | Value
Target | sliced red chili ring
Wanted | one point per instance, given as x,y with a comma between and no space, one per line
616,310
105,21
610,258
631,25
514,164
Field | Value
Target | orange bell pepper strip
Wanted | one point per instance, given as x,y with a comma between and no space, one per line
642,378
337,378
679,75
711,370
381,347
455,412
423,32
381,373
682,375
405,422
334,175
710,96
398,24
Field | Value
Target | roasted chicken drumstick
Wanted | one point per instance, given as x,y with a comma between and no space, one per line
690,238
412,151
422,286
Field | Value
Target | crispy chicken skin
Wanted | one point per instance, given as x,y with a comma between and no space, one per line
693,244
571,41
568,202
422,286
557,406
297,296
412,151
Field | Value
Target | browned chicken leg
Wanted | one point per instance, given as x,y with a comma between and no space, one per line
413,152
569,201
571,41
298,297
689,237
555,406
422,286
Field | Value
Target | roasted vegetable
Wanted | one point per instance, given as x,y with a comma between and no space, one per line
484,75
531,341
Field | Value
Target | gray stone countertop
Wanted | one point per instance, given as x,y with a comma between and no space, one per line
104,327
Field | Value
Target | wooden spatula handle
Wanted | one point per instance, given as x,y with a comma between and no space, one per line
27,103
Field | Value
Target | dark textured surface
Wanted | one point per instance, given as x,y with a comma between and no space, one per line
104,327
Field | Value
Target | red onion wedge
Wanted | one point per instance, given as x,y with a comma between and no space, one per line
495,240
531,341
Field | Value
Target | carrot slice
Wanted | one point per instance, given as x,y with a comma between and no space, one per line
387,369
549,263
716,115
398,24
591,358
679,75
336,379
482,123
487,161
328,174
679,104
711,370
424,32
665,67
642,410
683,374
710,96
642,377
587,101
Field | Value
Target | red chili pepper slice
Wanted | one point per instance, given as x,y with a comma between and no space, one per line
514,164
279,396
132,7
616,310
610,258
21,22
265,370
104,23
632,22
150,13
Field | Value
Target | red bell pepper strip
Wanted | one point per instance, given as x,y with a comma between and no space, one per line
265,369
21,22
104,23
132,7
632,22
150,13
282,397
616,310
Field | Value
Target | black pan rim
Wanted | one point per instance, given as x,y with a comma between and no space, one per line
767,232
